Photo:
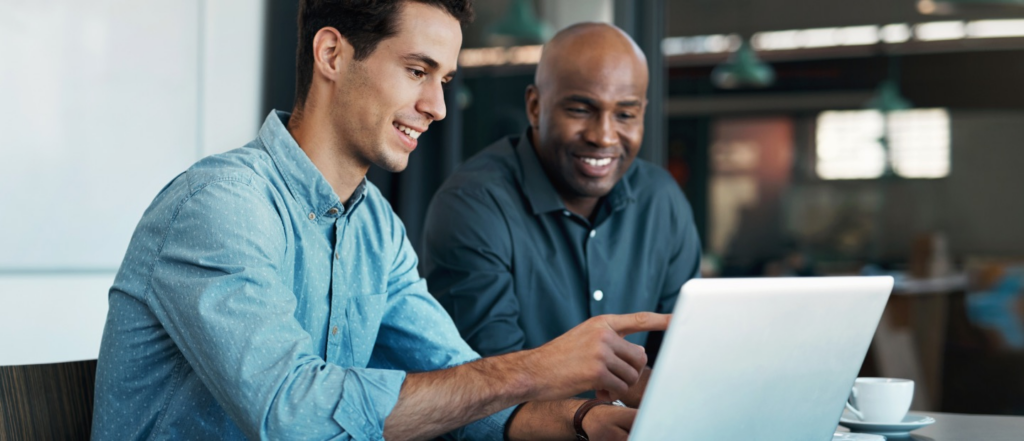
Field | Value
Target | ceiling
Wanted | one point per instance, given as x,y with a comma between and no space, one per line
703,17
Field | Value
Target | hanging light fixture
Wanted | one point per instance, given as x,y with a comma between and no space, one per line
946,7
743,69
887,98
519,26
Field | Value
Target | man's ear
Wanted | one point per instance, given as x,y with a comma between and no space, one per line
332,54
533,105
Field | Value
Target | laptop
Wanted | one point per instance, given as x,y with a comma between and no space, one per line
760,359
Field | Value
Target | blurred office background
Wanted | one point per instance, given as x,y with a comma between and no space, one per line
811,137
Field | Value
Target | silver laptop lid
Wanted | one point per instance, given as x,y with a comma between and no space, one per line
760,359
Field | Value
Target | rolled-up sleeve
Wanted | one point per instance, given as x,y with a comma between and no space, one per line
468,266
418,335
217,292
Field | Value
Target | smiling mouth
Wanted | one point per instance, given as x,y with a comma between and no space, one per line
408,131
595,167
596,162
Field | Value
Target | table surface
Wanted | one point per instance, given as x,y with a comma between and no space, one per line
963,427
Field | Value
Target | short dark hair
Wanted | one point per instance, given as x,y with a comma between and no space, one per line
364,23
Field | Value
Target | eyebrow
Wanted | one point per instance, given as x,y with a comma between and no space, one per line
428,60
593,103
582,100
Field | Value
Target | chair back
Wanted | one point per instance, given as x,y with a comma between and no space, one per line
47,401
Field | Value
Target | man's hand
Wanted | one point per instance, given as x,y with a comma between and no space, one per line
609,423
633,396
593,356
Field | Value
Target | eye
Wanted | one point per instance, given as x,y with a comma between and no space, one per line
577,110
419,74
626,115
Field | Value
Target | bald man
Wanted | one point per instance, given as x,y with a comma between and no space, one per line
541,231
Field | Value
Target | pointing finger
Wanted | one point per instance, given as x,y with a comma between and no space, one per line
626,324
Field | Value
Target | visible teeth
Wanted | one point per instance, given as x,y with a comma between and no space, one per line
597,162
412,133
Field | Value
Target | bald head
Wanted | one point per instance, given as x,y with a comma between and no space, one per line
576,51
586,111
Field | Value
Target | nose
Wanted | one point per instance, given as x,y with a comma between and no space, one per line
601,131
431,102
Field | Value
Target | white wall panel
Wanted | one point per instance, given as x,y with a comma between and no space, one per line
233,46
99,102
102,102
52,319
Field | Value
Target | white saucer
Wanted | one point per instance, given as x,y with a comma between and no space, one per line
903,428
843,436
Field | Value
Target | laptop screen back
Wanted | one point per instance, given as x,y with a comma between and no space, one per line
760,359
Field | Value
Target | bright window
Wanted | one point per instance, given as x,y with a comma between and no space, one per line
850,144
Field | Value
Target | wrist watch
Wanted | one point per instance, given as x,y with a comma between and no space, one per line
577,420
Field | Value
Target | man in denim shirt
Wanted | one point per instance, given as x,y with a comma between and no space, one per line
271,293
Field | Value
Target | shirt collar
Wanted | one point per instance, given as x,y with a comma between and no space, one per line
305,182
541,193
538,188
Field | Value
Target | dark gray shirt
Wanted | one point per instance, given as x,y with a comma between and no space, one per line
515,269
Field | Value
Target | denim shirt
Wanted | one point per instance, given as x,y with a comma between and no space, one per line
253,303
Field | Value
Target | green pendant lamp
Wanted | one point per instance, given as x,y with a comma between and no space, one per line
887,98
743,69
519,26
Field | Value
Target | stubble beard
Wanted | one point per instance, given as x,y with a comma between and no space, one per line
391,161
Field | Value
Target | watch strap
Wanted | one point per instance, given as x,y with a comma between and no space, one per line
577,420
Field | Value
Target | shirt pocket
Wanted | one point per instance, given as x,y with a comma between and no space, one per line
363,316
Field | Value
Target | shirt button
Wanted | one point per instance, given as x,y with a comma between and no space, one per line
566,212
334,331
312,216
336,256
593,233
332,211
598,295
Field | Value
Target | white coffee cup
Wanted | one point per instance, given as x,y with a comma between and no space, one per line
881,400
